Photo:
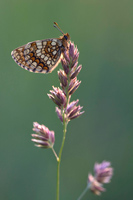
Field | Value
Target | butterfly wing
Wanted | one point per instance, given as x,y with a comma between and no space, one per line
40,56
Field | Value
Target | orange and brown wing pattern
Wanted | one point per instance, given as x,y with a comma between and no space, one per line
41,56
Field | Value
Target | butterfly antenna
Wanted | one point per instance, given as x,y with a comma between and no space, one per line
57,26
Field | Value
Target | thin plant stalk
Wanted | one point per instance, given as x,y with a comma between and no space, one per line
60,154
55,154
63,140
83,193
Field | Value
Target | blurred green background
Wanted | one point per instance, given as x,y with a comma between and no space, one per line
103,32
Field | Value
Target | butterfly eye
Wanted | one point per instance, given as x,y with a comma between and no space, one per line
65,37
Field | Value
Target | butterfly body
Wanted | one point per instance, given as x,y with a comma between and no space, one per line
41,56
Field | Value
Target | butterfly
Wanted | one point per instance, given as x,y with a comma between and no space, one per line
41,56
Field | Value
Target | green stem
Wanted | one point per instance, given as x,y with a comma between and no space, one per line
60,153
83,193
65,122
55,154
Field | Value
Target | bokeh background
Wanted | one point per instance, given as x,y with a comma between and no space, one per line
103,32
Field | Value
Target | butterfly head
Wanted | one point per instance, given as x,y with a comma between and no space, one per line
65,38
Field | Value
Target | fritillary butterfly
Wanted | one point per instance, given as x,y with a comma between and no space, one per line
41,56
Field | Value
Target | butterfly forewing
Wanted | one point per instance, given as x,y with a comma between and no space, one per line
40,56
